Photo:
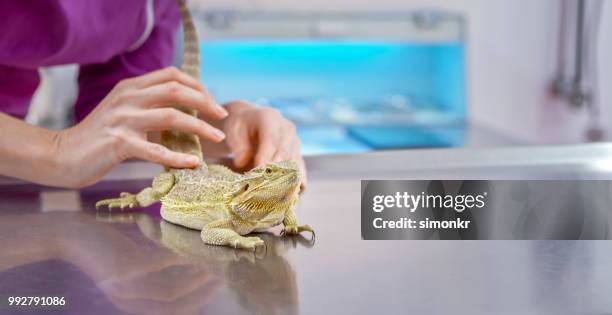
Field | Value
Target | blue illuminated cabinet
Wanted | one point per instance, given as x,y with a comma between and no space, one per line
350,82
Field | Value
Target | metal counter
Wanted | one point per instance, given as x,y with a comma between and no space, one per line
131,262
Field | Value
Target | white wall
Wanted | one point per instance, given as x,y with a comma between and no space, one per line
605,67
511,60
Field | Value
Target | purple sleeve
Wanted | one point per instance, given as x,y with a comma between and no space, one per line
34,33
96,80
16,89
51,32
93,33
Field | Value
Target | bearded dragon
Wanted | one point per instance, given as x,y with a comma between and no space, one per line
223,204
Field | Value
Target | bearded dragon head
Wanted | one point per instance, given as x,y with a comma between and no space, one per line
264,187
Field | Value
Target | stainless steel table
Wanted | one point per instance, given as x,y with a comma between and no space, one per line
54,242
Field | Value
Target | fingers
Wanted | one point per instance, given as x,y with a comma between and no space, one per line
173,93
240,145
285,147
268,141
297,156
303,177
264,133
288,148
165,75
157,153
268,127
170,118
175,87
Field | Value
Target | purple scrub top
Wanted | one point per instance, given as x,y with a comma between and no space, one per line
110,40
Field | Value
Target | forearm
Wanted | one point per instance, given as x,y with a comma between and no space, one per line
27,152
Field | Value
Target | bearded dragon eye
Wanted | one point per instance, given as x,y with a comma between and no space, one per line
268,170
246,187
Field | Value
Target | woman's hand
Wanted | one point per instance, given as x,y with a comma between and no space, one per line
117,129
261,135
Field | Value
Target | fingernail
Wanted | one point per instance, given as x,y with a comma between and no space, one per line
238,161
191,159
222,111
244,159
219,134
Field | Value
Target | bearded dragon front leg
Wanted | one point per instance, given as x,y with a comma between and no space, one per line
161,185
221,232
291,225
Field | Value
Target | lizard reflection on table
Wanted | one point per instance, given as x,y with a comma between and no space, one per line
176,275
266,284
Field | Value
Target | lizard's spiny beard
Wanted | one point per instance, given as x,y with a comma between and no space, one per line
265,201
